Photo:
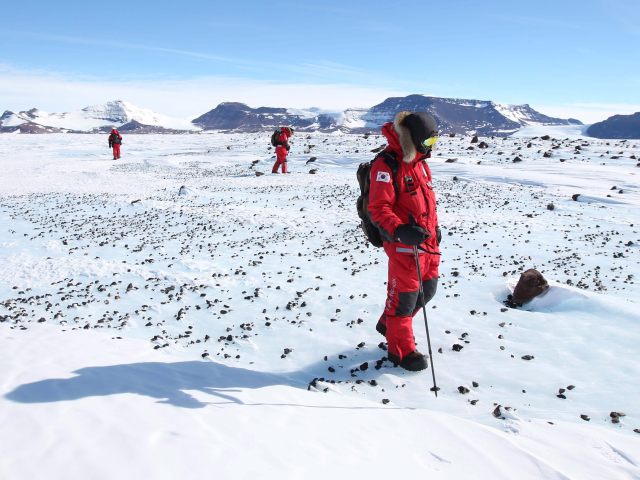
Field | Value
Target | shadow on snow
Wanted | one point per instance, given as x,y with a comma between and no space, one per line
167,382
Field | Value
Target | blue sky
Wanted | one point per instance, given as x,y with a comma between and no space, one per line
564,57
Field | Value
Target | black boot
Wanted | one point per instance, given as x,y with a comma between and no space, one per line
414,362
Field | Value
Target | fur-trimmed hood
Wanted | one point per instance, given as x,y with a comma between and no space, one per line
409,151
400,139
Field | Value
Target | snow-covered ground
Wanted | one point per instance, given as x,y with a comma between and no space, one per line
228,331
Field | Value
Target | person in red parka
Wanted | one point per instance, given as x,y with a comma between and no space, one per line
115,140
282,149
403,207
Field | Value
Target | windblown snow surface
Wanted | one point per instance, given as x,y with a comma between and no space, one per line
226,329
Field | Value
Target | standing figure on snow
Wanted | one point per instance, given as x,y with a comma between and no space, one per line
402,204
115,140
280,140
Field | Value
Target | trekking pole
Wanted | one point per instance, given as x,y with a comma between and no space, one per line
426,324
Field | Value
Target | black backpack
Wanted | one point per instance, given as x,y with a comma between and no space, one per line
274,137
364,179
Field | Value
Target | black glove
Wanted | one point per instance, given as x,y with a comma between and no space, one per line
411,234
288,147
438,235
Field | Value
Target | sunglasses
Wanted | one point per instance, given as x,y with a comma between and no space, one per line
430,142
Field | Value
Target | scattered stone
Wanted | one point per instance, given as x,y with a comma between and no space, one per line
584,417
530,285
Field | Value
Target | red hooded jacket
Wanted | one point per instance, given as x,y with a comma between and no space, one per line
115,138
283,138
415,199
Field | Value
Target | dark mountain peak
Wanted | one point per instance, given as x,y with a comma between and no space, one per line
234,106
234,116
617,127
6,115
453,115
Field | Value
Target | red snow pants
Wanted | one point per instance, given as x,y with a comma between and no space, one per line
281,159
116,151
403,294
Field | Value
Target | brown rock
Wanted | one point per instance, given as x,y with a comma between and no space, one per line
530,285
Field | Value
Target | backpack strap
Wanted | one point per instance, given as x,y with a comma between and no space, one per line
391,161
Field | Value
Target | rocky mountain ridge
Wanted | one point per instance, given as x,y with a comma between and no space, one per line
462,116
617,127
454,115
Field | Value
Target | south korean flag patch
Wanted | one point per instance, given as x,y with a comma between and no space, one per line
383,177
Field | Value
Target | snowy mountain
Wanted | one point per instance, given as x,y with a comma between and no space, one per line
454,115
617,127
92,118
242,118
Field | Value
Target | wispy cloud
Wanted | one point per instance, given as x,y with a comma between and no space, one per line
306,70
20,89
127,46
322,8
626,13
539,22
188,98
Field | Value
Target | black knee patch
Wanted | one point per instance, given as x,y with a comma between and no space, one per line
406,303
429,288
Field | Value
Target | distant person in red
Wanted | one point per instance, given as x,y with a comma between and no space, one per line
115,140
282,149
